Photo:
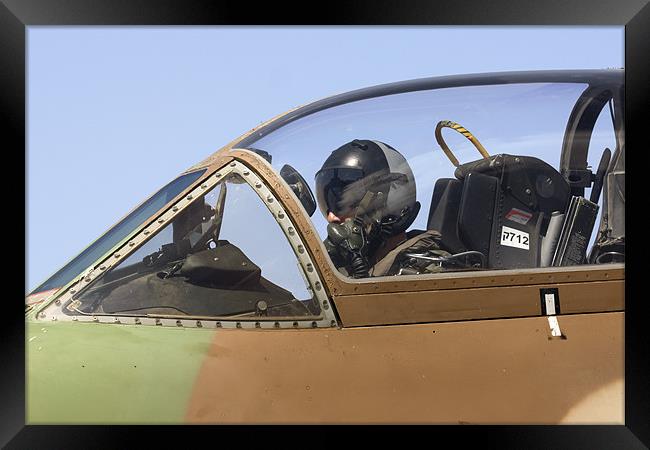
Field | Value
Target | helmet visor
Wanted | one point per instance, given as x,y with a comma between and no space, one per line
339,190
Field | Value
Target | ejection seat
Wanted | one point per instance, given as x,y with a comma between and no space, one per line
499,206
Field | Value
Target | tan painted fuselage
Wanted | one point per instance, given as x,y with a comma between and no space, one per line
493,371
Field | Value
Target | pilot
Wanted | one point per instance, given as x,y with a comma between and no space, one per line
366,191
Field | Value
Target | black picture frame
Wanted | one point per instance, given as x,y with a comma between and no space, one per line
16,15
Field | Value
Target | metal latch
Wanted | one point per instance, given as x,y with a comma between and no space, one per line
550,302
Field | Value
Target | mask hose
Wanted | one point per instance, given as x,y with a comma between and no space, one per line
359,266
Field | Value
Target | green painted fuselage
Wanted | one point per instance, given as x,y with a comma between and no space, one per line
88,373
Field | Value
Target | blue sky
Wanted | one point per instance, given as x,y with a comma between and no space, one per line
114,113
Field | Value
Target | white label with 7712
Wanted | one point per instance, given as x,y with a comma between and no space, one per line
515,238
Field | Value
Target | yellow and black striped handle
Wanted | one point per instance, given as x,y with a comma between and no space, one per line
462,130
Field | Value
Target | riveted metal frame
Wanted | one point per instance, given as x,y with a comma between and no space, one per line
54,310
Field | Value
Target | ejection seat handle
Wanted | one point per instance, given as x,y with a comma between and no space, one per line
462,130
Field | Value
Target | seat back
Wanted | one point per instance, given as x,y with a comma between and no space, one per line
499,206
476,211
443,213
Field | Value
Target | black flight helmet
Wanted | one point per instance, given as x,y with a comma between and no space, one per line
362,166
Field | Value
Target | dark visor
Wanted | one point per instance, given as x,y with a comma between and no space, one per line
339,190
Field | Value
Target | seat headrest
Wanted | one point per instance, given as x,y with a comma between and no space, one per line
535,183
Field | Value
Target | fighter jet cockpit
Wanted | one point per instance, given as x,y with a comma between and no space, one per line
399,185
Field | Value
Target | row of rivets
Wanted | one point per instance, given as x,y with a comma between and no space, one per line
292,232
179,322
